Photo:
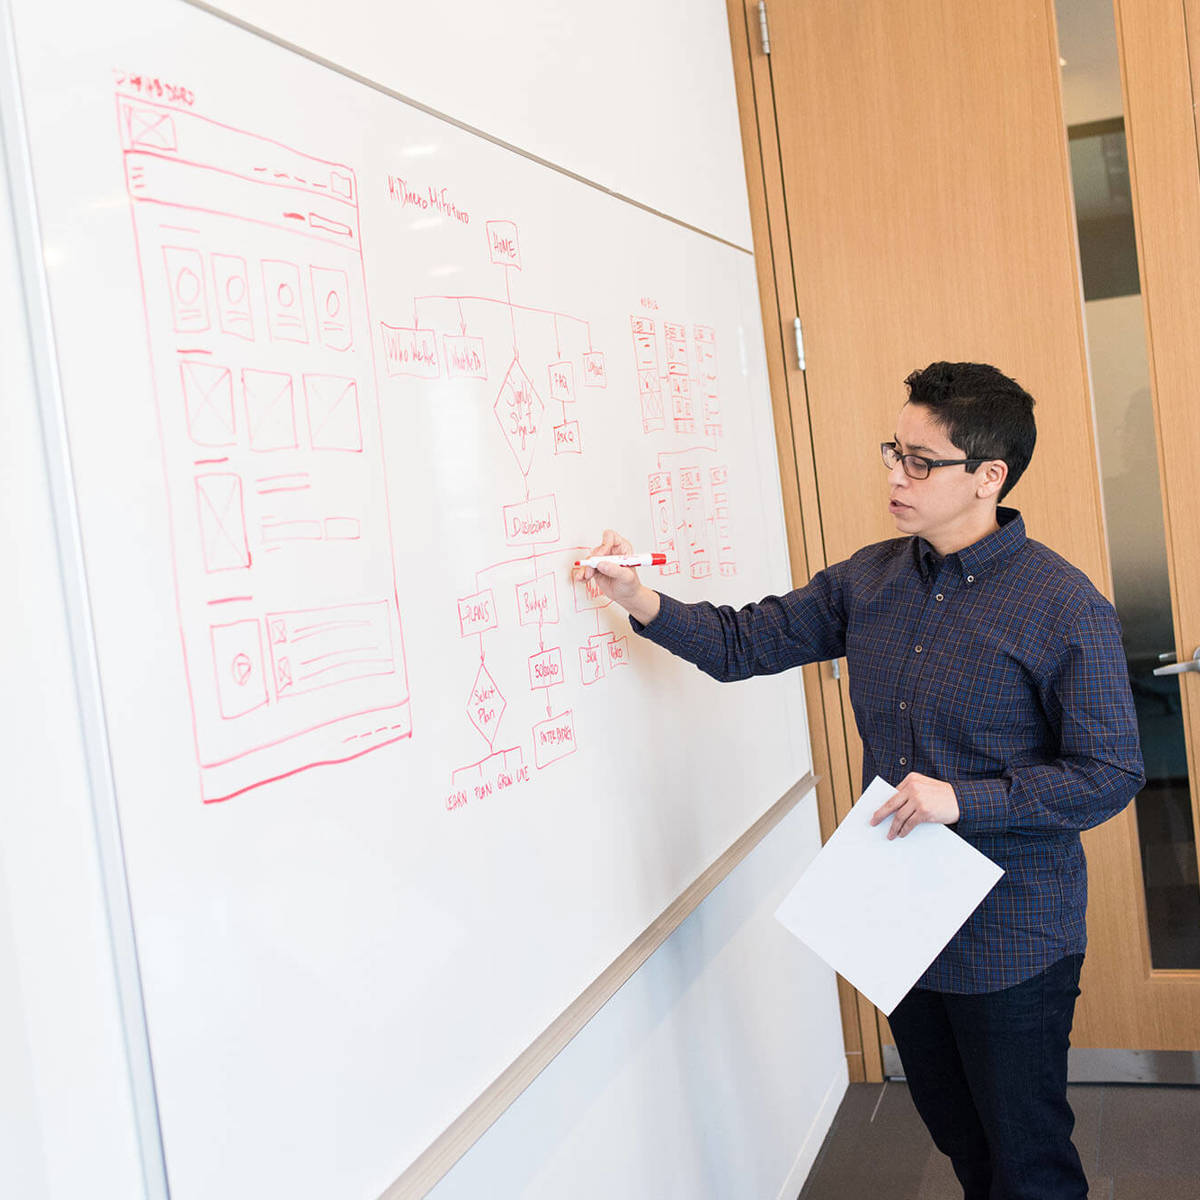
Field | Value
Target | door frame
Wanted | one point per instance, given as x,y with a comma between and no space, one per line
827,703
1113,1032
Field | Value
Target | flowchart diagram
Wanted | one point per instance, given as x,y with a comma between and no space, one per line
538,411
272,382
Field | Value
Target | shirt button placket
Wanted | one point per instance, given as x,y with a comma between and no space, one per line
908,678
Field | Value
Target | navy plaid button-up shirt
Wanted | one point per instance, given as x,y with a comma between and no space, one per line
998,669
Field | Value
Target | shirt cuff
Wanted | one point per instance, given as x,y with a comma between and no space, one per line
982,805
670,628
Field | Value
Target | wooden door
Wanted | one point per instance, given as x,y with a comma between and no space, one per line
924,212
1159,45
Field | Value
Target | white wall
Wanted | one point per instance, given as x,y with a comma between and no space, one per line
717,1069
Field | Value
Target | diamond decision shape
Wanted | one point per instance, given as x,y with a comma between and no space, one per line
485,705
519,409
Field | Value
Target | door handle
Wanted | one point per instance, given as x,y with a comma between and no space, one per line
1193,664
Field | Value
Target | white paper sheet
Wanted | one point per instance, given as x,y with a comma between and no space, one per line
879,912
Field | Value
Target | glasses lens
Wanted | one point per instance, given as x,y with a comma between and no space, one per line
915,467
890,457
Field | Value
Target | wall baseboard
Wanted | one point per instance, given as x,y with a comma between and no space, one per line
815,1137
1087,1065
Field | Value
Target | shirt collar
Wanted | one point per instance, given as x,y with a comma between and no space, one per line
977,559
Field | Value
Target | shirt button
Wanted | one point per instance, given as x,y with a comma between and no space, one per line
970,578
918,649
903,761
903,703
940,596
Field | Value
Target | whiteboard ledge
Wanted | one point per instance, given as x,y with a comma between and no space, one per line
466,1129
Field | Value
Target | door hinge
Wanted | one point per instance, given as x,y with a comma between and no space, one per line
762,26
799,344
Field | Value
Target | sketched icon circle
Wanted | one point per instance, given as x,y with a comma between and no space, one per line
241,669
187,286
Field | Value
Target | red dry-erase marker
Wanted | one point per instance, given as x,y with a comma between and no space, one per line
624,560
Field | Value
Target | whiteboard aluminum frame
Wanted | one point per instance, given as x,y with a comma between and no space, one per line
39,329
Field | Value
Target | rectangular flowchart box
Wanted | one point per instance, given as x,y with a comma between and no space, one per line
545,669
531,521
477,613
537,601
554,739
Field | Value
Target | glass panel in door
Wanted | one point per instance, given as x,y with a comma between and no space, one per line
1129,465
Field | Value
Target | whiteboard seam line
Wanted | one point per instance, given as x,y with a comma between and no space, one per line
439,115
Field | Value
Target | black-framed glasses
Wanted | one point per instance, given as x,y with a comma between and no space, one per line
917,466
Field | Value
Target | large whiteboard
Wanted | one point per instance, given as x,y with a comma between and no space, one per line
346,390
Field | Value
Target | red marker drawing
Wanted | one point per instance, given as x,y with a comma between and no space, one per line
624,560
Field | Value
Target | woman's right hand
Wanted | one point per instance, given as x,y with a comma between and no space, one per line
621,584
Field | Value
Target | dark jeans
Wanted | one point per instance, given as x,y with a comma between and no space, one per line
988,1074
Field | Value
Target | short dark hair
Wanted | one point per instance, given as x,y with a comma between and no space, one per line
984,413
